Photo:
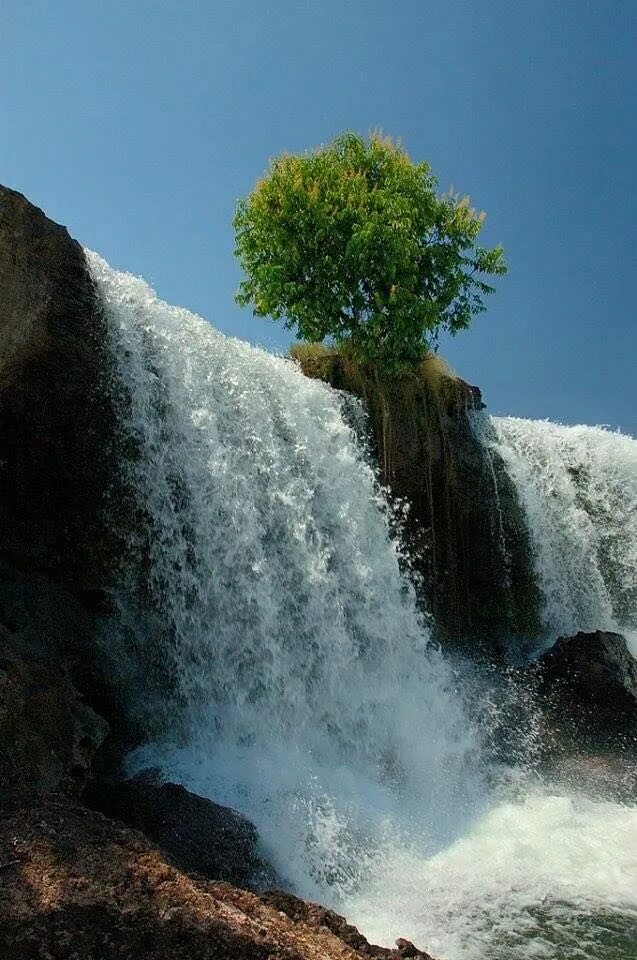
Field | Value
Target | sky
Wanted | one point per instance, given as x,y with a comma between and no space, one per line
139,123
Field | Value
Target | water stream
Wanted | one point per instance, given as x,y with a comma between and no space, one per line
303,687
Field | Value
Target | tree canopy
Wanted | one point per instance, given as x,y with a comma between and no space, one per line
352,243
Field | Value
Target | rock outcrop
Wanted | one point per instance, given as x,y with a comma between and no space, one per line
57,470
75,884
465,530
55,413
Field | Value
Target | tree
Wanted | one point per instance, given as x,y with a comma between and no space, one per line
352,243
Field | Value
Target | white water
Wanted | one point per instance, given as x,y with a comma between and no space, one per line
307,693
578,486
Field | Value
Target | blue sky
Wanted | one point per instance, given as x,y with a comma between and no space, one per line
138,124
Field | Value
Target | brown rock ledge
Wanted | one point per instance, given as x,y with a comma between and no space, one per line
76,886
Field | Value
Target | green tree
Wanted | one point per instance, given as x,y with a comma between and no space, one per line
352,243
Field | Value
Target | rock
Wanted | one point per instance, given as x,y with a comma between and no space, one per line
76,885
53,365
465,529
588,688
197,834
66,508
320,918
48,736
59,477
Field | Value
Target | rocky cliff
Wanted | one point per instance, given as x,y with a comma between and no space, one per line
57,430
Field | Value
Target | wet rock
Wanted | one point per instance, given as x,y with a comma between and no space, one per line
197,834
588,689
48,736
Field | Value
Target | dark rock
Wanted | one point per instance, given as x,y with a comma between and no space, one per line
58,476
196,833
48,736
588,689
465,530
65,508
55,414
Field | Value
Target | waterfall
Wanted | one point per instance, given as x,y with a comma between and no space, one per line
264,618
300,664
578,486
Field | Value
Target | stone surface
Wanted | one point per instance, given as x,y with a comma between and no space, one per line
63,505
76,886
48,736
58,474
197,834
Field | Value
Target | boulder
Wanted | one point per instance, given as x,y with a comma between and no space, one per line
197,834
588,692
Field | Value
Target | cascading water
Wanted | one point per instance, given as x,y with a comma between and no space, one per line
300,685
578,486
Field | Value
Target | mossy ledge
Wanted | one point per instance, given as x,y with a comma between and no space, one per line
465,531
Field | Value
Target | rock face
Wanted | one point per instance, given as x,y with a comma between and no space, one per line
197,835
465,528
76,885
55,415
48,736
58,428
588,687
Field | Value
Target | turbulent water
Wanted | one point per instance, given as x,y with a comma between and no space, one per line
302,686
578,486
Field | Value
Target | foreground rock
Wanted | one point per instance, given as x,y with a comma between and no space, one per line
588,691
197,834
76,885
320,918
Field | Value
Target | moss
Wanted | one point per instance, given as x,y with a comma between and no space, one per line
317,361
